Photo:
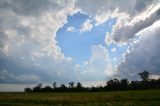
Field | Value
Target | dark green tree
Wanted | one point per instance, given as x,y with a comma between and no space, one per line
54,85
144,75
113,84
79,85
37,88
27,90
124,83
71,84
46,89
63,86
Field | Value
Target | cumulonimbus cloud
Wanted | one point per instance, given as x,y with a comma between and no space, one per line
28,31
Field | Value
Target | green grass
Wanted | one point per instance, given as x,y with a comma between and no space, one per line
116,98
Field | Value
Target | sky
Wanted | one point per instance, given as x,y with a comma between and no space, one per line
88,41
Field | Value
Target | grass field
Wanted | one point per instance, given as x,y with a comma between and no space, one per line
116,98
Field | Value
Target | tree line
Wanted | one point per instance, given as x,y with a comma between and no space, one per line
111,85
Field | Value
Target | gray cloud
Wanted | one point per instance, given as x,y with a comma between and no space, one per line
105,9
123,31
144,54
28,7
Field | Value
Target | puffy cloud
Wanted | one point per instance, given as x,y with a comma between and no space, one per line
86,26
143,55
98,67
22,26
27,38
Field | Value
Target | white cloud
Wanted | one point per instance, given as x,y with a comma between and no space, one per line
98,67
154,76
113,49
86,26
71,29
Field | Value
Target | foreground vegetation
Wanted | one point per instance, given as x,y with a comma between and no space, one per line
114,98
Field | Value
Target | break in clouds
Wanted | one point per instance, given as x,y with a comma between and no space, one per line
29,51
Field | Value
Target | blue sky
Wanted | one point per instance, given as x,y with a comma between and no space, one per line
76,44
78,40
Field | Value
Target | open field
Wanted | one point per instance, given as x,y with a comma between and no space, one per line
116,98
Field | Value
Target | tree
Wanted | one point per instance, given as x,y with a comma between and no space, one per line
79,85
124,83
134,85
71,84
54,85
113,84
144,75
47,89
158,82
28,89
63,86
37,88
